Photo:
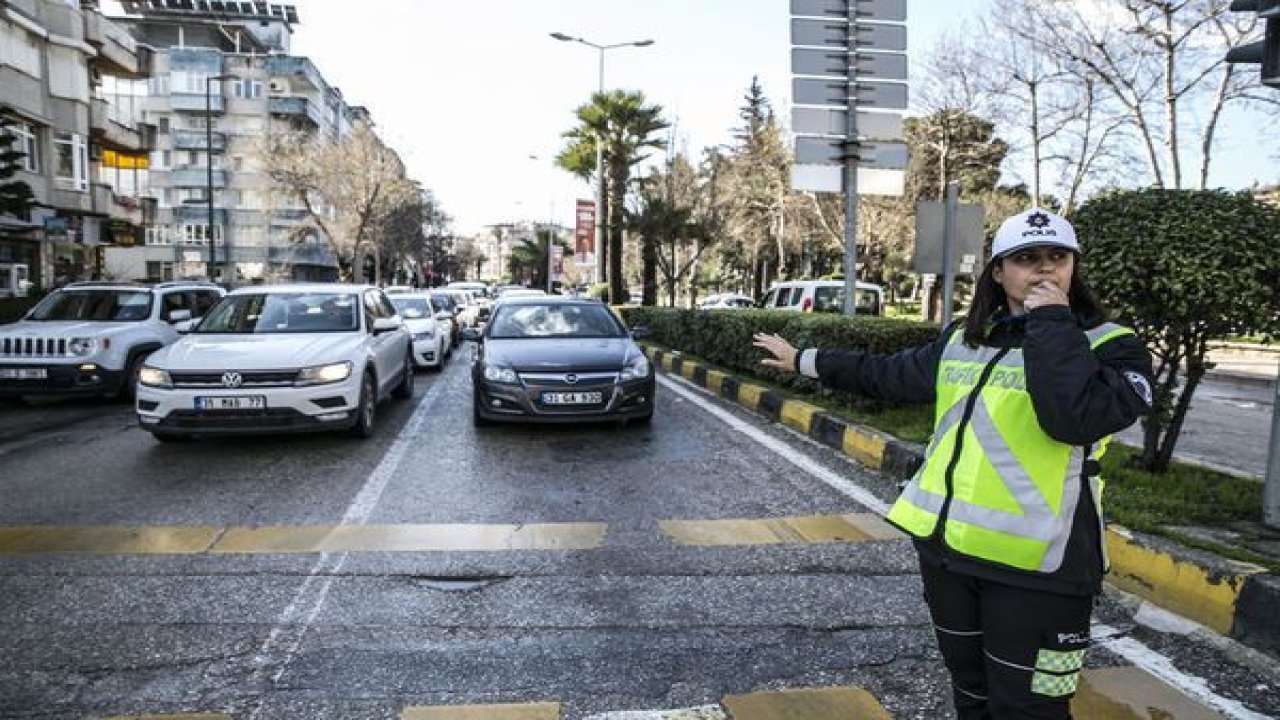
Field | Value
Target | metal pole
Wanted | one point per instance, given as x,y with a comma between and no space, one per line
601,272
851,174
949,248
208,169
1271,486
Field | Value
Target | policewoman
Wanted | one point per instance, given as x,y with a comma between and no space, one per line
1006,510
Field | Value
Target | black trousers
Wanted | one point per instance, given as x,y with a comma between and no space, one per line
1013,653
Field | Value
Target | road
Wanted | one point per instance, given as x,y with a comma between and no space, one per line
709,561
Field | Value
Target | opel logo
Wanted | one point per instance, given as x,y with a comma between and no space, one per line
231,379
571,379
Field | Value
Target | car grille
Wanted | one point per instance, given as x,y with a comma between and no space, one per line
248,379
236,419
26,347
558,381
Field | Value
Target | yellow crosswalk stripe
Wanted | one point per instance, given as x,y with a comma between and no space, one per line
851,527
521,711
191,540
1129,693
830,703
180,716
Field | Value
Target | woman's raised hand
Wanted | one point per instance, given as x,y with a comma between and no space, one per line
783,354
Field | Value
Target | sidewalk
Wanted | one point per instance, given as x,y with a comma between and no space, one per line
1247,363
1235,599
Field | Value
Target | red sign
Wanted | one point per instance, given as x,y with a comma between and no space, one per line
584,234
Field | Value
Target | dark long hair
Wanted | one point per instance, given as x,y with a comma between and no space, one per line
989,299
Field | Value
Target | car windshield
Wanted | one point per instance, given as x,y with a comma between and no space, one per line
550,321
443,301
831,299
266,313
95,305
412,307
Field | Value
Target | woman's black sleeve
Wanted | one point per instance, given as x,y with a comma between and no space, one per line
1081,395
907,376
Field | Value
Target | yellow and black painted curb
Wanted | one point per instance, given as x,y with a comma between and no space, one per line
1229,597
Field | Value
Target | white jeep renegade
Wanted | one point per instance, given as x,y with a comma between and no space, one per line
90,338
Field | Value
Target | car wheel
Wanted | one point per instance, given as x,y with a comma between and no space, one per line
477,419
166,437
404,390
366,411
129,383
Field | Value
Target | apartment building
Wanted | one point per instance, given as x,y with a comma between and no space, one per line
222,80
70,85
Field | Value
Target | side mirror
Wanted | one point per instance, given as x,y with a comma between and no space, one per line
471,334
178,316
382,325
185,326
640,332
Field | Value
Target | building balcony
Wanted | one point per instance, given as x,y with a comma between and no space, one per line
195,140
118,52
197,213
194,102
299,108
288,216
195,177
299,73
137,137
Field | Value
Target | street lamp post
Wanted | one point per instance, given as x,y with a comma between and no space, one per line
599,272
208,166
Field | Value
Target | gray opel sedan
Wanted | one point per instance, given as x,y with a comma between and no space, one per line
559,359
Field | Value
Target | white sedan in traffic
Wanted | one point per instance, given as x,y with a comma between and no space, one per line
274,359
432,335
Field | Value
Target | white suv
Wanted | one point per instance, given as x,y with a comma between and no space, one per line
282,358
822,296
91,338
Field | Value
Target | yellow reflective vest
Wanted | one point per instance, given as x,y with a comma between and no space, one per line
993,484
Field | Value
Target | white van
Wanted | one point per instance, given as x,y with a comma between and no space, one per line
822,296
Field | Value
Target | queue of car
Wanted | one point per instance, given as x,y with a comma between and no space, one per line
323,357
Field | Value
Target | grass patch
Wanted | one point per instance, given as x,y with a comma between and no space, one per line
1185,495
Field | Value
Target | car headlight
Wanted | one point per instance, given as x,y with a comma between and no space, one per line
322,374
424,335
636,369
82,346
154,377
494,373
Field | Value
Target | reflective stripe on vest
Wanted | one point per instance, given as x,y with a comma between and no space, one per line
1013,508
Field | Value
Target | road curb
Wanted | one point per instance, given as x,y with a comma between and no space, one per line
1232,598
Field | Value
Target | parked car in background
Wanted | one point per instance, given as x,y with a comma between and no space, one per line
280,358
446,306
91,338
726,301
480,297
557,359
822,296
432,338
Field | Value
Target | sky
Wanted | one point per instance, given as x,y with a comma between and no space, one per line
475,95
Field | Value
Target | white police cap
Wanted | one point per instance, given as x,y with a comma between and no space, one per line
1033,228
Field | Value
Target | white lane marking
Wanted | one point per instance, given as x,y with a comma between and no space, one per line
1162,667
292,624
1128,648
781,449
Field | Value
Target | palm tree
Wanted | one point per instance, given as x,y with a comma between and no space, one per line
528,259
625,126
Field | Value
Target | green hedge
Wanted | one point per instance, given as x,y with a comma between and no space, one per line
723,337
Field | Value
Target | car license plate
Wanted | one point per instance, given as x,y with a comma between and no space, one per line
24,373
572,398
232,402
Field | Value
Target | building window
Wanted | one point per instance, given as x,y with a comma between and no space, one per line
26,144
197,234
158,235
19,49
71,161
247,88
163,125
158,84
159,271
191,196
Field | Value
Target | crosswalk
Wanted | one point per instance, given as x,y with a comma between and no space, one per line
1117,693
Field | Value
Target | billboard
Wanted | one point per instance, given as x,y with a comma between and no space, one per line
584,232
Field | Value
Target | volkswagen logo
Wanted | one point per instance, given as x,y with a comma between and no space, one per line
571,379
231,379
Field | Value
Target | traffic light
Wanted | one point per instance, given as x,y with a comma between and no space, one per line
1267,50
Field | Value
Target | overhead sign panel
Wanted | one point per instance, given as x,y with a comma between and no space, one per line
883,10
820,33
867,94
832,121
832,151
807,91
830,178
835,63
882,37
882,95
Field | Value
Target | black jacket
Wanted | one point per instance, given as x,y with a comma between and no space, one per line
1079,396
